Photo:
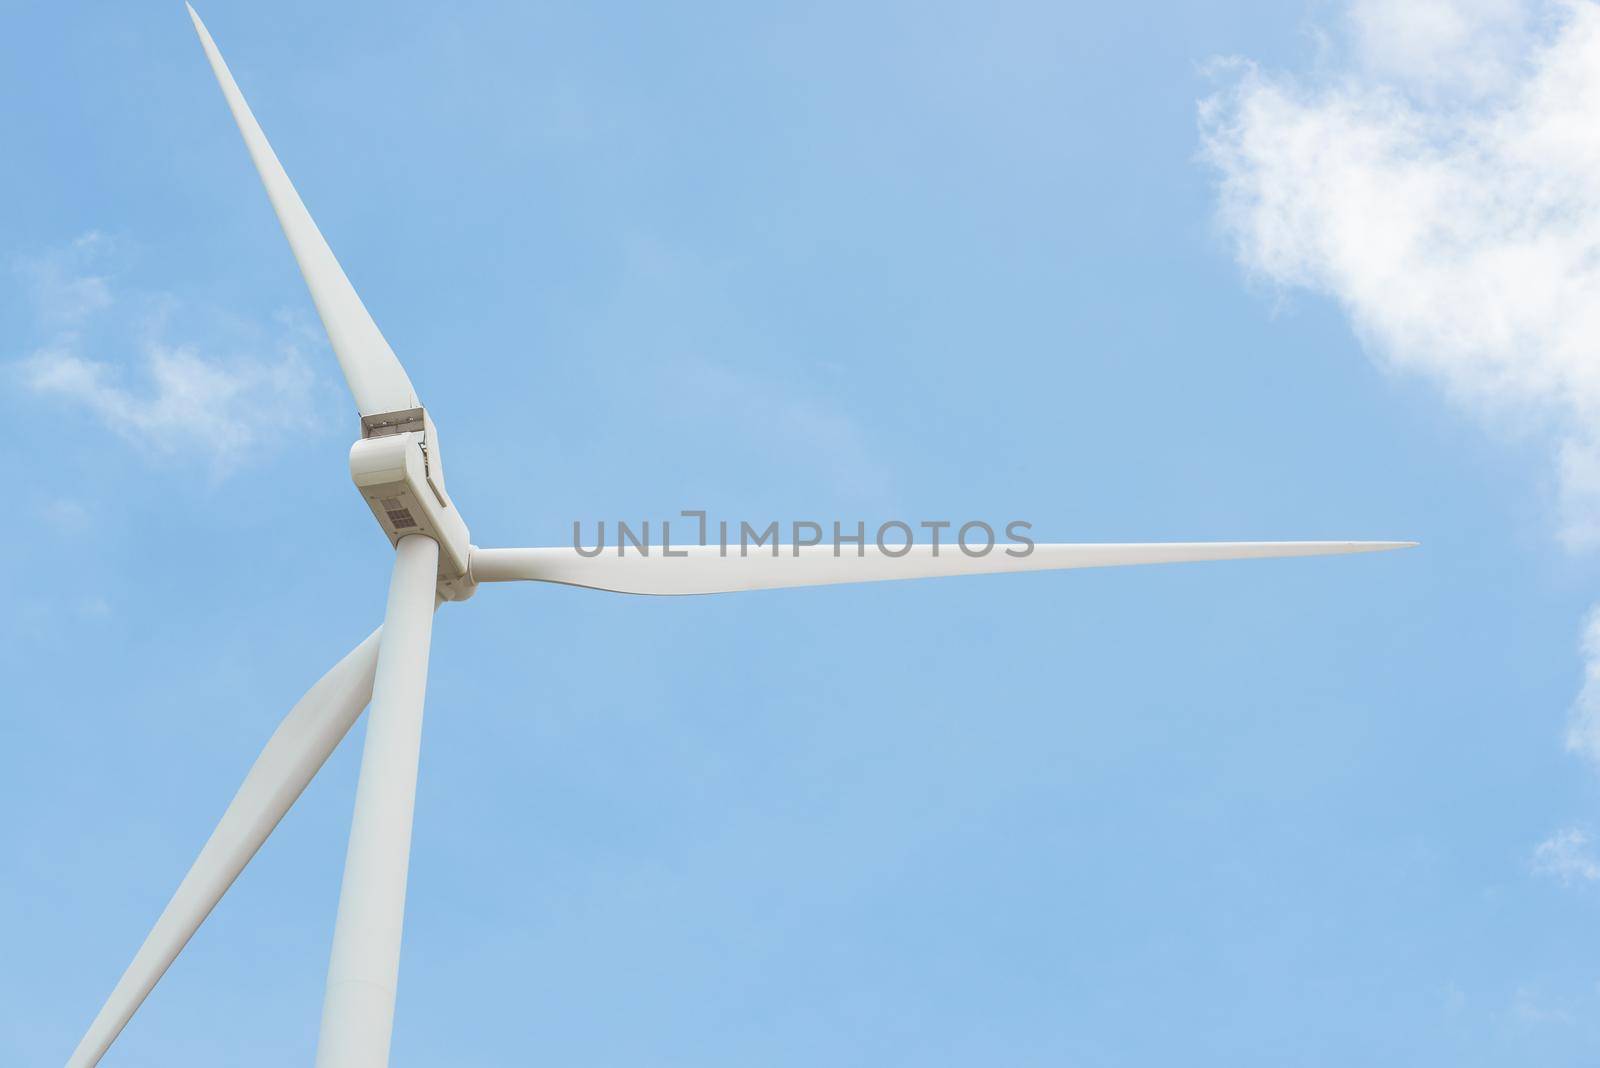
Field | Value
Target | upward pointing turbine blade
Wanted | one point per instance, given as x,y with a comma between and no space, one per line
294,753
370,367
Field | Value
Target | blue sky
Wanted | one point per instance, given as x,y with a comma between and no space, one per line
914,261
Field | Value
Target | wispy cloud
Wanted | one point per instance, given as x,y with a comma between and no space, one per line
106,351
1568,856
1460,232
65,515
63,292
1529,1007
1583,727
789,421
1440,179
1440,47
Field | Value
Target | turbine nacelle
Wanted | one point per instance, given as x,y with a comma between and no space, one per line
399,468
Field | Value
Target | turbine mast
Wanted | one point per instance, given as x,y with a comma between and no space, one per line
358,1008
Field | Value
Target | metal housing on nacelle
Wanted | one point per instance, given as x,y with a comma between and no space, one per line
399,469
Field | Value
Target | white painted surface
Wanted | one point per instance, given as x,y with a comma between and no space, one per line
370,367
358,1008
703,568
390,473
294,753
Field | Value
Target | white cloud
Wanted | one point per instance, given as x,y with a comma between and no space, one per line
1583,728
185,402
169,398
1440,46
63,294
1568,856
1442,184
1463,239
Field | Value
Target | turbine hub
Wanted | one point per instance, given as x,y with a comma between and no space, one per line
399,469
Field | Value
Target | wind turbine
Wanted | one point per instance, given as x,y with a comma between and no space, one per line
397,466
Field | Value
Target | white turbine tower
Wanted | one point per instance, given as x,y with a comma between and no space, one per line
397,466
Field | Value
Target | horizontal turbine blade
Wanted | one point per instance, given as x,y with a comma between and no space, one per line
294,753
370,367
704,568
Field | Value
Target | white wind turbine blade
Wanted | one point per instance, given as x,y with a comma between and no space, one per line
364,966
294,753
370,367
705,570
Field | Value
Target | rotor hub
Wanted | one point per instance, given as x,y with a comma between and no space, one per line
399,468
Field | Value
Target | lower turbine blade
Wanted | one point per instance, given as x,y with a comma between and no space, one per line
706,569
294,753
